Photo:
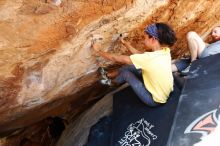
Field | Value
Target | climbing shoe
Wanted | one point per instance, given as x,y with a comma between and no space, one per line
103,72
185,71
106,81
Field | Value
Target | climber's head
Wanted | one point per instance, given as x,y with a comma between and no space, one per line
216,33
159,33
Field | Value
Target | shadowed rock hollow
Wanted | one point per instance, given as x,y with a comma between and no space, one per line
46,65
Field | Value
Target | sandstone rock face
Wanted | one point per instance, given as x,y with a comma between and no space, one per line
45,48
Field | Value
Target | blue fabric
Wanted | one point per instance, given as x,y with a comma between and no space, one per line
211,49
100,133
133,77
183,63
152,30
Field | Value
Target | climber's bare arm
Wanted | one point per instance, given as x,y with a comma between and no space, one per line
113,57
129,47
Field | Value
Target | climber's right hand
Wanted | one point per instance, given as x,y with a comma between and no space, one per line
122,40
96,45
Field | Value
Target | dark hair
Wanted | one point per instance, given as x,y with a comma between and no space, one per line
166,35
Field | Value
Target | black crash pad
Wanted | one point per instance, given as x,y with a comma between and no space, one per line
198,108
136,124
100,133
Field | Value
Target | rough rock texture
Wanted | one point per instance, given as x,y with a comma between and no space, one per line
45,55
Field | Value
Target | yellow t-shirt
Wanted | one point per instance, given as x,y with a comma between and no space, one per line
156,72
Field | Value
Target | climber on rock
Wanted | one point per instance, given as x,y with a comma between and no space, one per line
148,73
198,49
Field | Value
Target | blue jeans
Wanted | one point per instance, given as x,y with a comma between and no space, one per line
182,63
133,77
